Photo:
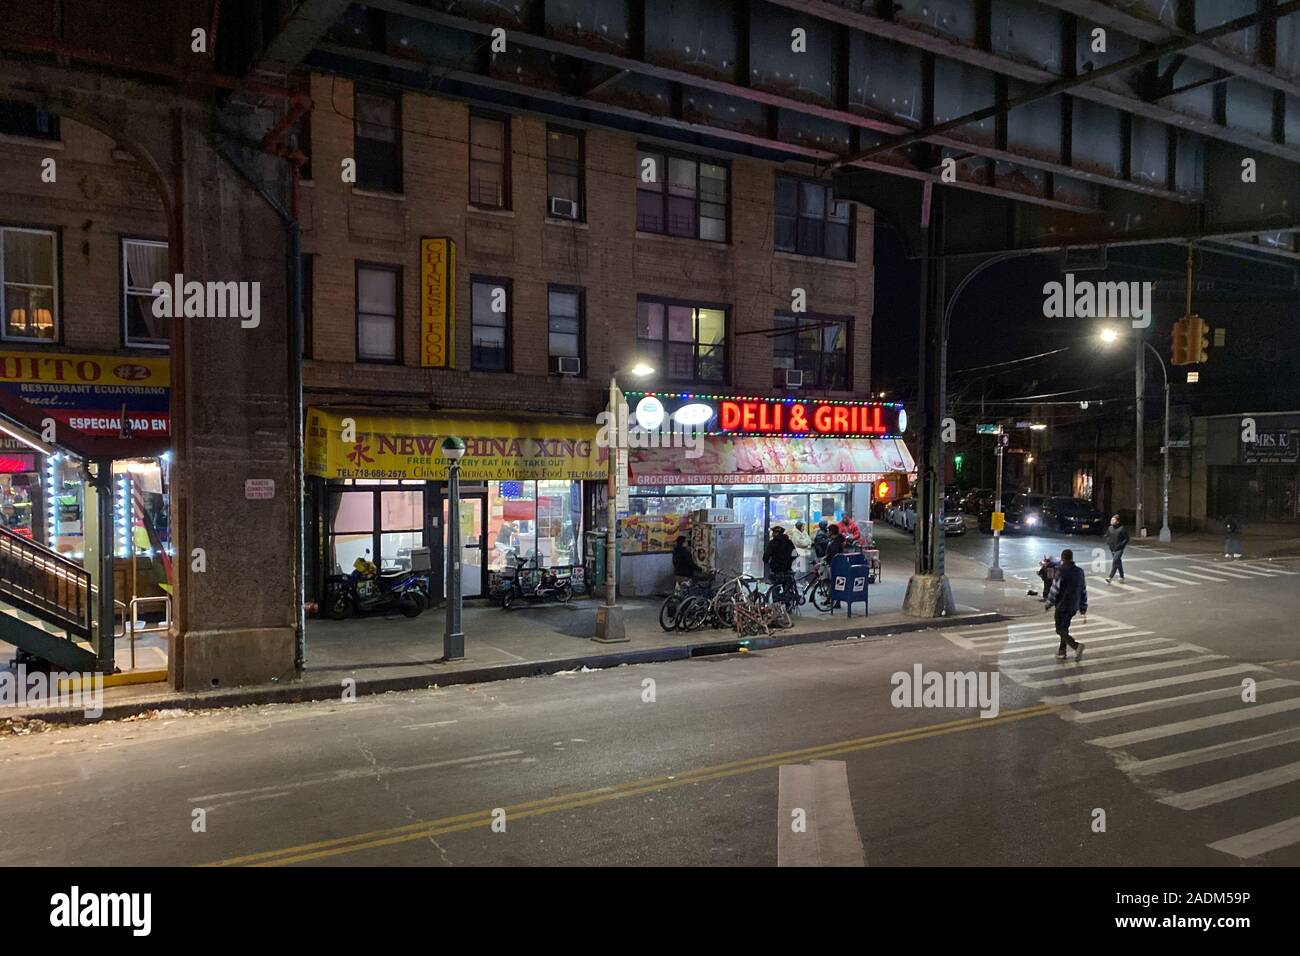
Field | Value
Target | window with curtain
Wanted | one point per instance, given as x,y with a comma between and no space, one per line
490,325
688,342
378,140
144,262
489,167
564,326
564,169
809,221
29,278
681,196
378,322
817,345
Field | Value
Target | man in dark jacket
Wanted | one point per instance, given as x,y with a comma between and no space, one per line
1232,537
821,539
685,567
779,553
1069,595
1117,541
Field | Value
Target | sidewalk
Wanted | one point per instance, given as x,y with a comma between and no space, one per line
394,653
1258,540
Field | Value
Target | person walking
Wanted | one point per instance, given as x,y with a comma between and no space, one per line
1117,541
1232,537
1069,596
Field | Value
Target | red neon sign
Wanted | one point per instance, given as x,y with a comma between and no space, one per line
751,416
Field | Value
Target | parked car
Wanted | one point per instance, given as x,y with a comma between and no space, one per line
899,511
1025,512
970,501
985,519
954,523
908,515
1073,516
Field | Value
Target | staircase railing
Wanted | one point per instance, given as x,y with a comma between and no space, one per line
44,583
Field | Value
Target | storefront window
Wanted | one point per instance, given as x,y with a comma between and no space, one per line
656,517
19,493
383,520
535,517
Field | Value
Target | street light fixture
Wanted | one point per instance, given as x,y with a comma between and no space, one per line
453,638
1109,336
610,625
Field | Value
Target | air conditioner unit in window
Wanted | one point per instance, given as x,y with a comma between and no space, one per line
568,365
563,208
794,378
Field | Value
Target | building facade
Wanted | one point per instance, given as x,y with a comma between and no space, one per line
580,254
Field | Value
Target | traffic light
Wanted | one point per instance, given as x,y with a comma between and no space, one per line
1198,340
1180,343
957,462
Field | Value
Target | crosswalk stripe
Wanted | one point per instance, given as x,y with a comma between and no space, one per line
1230,572
1143,579
1188,758
1260,572
1123,672
1174,648
1258,842
1168,577
1123,586
1232,789
1247,712
1121,690
1048,626
1146,706
1053,641
1197,575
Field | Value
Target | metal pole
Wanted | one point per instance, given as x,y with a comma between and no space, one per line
995,572
453,639
1138,523
610,627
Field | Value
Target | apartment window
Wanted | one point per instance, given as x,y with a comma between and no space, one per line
680,196
378,316
144,262
28,275
490,325
565,346
24,119
489,161
564,167
811,222
687,341
379,141
816,345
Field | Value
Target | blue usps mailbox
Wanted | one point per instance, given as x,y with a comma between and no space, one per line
849,581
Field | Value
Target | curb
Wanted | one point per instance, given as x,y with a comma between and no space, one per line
295,693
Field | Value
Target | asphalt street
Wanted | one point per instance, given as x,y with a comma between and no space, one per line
1143,753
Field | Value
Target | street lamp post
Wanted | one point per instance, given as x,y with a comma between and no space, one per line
995,571
1108,336
453,638
610,625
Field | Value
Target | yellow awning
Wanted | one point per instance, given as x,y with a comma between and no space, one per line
383,447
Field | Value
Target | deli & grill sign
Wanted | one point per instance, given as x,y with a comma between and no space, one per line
748,415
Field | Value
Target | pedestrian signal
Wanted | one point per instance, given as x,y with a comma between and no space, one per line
886,490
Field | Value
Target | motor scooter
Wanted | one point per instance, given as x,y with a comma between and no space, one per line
368,588
522,580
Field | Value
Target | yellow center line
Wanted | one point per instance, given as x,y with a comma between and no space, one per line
426,829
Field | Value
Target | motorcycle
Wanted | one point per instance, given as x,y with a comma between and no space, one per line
368,588
525,581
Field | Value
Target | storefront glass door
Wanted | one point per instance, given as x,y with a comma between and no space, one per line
473,544
751,511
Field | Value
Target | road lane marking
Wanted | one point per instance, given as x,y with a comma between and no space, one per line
1142,707
1234,788
1248,712
1254,843
1189,758
427,829
830,837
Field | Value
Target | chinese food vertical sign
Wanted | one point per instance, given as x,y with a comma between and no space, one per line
437,303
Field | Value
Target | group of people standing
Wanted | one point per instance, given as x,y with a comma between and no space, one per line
784,549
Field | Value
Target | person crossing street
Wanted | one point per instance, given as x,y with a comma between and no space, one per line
1069,596
1117,541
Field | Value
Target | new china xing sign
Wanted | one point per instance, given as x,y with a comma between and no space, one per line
749,415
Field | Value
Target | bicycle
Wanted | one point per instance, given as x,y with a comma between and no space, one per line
672,603
737,588
755,618
785,592
817,586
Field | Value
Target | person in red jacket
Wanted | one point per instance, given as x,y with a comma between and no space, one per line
852,533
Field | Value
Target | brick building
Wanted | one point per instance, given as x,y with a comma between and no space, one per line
601,250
